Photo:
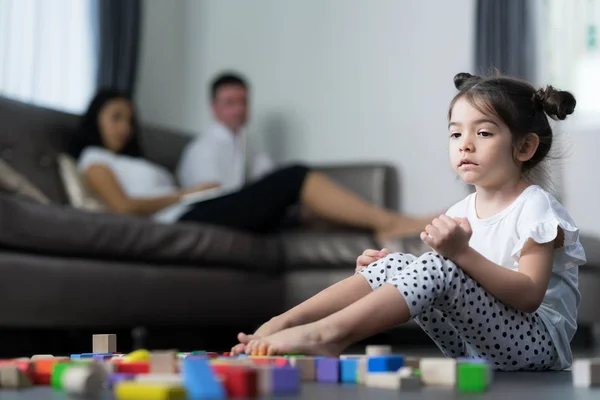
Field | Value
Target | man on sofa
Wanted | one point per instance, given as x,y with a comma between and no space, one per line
221,155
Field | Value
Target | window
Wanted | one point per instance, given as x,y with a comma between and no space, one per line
47,52
570,56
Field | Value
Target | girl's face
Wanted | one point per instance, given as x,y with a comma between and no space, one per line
481,147
115,124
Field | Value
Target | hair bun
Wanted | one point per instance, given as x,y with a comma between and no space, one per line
464,79
557,104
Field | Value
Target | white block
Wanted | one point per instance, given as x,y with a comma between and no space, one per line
83,381
383,380
160,378
378,350
438,371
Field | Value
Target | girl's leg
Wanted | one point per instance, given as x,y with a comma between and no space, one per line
261,206
484,327
335,297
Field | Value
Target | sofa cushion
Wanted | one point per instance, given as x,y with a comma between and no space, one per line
14,182
65,231
80,195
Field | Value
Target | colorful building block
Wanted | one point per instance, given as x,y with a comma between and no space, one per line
438,371
349,370
12,377
115,378
286,380
328,370
307,366
163,362
132,390
241,381
378,350
199,379
385,363
105,343
473,376
586,372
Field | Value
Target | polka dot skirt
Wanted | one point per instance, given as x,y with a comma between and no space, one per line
461,317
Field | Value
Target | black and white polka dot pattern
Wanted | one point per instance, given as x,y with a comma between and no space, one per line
461,317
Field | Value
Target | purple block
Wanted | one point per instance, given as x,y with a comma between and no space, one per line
328,370
101,357
286,380
115,378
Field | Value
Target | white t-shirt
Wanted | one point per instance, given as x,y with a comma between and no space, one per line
221,156
535,214
141,178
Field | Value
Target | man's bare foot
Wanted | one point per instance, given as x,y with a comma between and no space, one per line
270,327
309,339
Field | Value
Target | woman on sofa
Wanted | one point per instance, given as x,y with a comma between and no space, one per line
110,159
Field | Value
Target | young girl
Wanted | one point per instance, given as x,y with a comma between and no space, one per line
501,281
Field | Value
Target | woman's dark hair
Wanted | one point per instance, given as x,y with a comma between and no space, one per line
88,133
519,105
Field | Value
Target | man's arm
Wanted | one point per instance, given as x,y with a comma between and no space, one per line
200,164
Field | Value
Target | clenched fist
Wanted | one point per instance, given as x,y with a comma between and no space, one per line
369,256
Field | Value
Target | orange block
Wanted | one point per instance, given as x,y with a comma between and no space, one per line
45,365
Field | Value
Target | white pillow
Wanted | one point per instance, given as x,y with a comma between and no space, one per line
15,182
79,194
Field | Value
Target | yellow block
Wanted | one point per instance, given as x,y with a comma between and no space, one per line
137,355
132,390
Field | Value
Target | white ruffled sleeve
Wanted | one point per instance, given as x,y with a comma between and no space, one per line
539,220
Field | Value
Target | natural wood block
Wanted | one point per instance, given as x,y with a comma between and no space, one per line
438,371
41,356
586,372
163,362
378,350
105,343
412,362
307,366
361,370
11,377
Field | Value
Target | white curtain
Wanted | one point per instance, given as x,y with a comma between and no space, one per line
570,43
47,52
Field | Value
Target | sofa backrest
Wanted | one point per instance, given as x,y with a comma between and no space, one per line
32,137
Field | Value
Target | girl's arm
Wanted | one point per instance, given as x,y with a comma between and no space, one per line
523,289
105,184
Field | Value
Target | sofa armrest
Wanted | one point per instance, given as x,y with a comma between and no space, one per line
376,183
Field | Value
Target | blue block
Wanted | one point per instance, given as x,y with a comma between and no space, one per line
243,356
75,356
199,380
385,363
348,369
86,355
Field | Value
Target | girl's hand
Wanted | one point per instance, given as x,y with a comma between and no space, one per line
448,236
369,256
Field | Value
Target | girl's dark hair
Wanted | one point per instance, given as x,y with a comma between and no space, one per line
88,133
519,105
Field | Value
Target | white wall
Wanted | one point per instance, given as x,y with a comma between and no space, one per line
333,80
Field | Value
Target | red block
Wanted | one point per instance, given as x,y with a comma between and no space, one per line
226,354
25,366
262,361
40,378
282,362
140,367
212,355
241,382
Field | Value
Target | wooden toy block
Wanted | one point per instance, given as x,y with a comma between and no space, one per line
136,356
45,365
307,366
264,380
163,362
361,371
438,371
132,390
40,378
115,378
142,367
351,356
348,370
586,372
199,379
160,378
12,377
385,363
408,379
473,376
41,356
242,381
26,366
412,362
83,381
328,370
58,371
104,343
378,350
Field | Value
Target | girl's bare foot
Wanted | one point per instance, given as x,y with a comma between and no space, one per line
309,339
270,327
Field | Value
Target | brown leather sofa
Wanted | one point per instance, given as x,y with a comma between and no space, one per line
72,270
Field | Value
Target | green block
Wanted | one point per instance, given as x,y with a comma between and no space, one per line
473,377
199,353
58,371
